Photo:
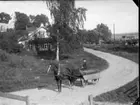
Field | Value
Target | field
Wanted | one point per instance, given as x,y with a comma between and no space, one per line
18,72
119,95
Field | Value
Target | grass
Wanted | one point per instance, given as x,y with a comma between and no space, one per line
128,52
18,72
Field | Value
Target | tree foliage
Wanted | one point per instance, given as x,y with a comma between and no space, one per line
63,12
37,20
22,20
104,32
67,20
4,17
88,36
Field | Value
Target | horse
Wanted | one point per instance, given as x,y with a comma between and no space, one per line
63,72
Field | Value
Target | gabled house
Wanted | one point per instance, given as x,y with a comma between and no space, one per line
38,39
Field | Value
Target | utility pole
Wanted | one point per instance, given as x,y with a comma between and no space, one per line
114,31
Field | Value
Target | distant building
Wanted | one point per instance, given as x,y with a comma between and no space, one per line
126,36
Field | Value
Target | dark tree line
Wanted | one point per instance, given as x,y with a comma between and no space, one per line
93,36
22,20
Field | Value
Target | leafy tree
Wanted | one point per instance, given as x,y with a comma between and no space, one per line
88,36
22,21
4,17
67,19
92,37
37,20
82,35
104,32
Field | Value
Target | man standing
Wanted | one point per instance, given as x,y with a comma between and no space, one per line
84,65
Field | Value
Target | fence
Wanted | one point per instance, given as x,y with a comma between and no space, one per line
132,92
16,97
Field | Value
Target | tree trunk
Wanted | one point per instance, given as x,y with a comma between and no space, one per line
57,52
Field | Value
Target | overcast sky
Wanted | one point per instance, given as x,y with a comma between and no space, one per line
123,13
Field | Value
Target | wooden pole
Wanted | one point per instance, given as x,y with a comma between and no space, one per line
12,96
90,99
15,97
114,31
27,100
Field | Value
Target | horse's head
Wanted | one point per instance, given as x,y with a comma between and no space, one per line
52,66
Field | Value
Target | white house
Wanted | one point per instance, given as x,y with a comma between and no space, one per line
40,32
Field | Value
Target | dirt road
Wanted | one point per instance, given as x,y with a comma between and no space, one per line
120,72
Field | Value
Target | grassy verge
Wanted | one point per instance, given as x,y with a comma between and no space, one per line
128,52
20,72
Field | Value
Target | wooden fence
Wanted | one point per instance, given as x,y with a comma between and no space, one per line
132,92
15,97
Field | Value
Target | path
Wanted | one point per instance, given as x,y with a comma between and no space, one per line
120,72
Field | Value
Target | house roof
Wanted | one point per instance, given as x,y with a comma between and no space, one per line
31,29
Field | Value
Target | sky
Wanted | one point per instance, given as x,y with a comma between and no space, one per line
122,13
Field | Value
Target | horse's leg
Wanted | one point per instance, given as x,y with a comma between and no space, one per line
60,85
58,82
70,82
83,81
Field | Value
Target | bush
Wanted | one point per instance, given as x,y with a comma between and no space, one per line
4,56
9,42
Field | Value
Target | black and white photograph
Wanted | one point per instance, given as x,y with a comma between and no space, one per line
69,52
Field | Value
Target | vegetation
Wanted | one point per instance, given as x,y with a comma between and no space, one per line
21,71
104,32
38,19
4,17
93,36
23,21
67,19
9,42
129,52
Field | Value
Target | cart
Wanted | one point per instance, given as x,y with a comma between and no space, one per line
91,76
